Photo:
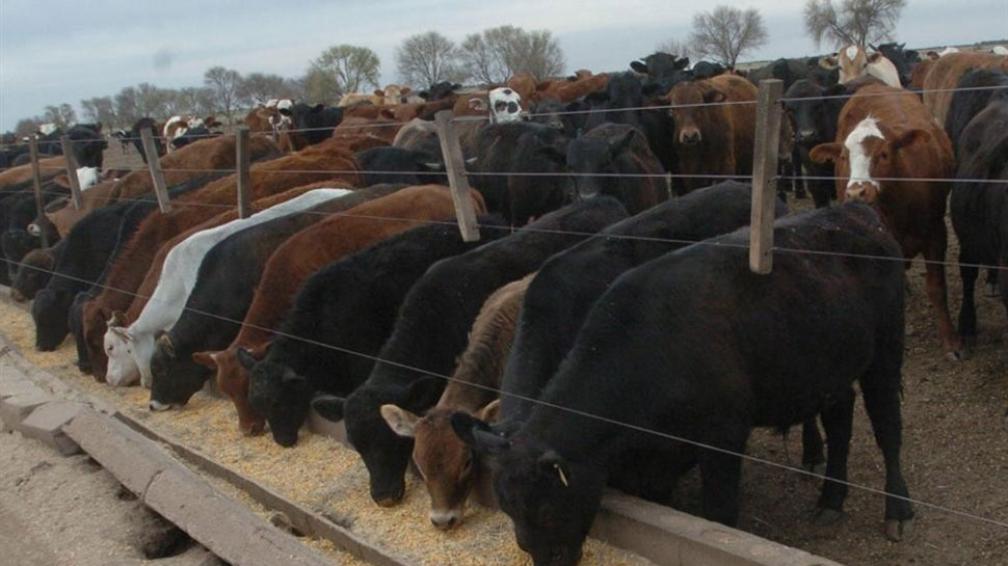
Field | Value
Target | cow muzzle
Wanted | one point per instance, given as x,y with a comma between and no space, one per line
445,519
806,136
689,136
17,296
866,192
158,406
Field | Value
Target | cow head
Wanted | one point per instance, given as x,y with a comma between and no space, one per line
504,105
33,275
385,453
687,99
551,500
588,156
175,377
231,378
447,466
813,111
119,348
281,394
49,313
866,158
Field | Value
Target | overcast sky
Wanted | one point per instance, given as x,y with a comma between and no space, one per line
54,51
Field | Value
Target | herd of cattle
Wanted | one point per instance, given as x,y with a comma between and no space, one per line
582,338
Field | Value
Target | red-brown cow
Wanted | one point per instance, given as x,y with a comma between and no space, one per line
715,139
448,466
302,255
886,134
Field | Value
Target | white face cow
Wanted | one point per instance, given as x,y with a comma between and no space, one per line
505,105
122,369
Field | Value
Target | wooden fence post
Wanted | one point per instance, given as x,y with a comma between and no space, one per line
71,167
242,162
764,188
154,164
37,185
451,149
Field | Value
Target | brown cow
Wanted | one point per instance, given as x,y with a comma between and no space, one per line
447,465
383,127
944,74
301,256
270,177
715,139
569,91
49,167
886,133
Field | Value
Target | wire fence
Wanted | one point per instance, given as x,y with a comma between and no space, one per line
536,401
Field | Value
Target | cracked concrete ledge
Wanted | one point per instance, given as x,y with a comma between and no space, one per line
663,535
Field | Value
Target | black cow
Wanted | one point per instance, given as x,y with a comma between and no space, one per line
705,70
438,91
813,111
398,165
790,71
992,85
979,209
315,124
225,286
432,330
135,132
662,69
88,144
903,60
521,148
342,316
597,157
35,271
20,212
692,345
569,118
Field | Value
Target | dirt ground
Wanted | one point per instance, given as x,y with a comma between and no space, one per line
70,512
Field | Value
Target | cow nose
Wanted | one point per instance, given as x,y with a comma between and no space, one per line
157,406
806,135
17,296
690,137
444,521
512,107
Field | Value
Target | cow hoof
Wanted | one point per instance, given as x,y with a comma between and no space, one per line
827,517
896,530
816,468
955,355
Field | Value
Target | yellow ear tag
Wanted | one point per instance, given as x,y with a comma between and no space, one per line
563,477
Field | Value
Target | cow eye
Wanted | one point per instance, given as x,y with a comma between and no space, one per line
500,106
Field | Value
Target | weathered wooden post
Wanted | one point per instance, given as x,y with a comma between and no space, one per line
451,149
37,185
242,161
154,165
71,167
764,188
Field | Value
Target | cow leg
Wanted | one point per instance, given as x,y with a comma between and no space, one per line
837,418
967,312
720,473
883,407
992,282
937,291
812,446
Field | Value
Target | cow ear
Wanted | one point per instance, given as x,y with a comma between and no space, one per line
318,107
206,360
910,137
245,358
829,62
620,145
872,57
826,152
477,104
401,421
424,94
424,392
291,377
329,407
639,67
490,412
553,463
478,435
166,345
117,319
836,90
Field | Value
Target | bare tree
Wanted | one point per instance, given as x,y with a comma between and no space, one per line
100,109
62,115
675,47
351,66
319,85
28,126
852,22
224,83
726,33
426,59
499,53
257,88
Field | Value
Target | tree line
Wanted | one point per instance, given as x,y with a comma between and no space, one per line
491,56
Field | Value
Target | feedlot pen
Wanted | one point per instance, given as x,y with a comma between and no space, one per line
955,455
